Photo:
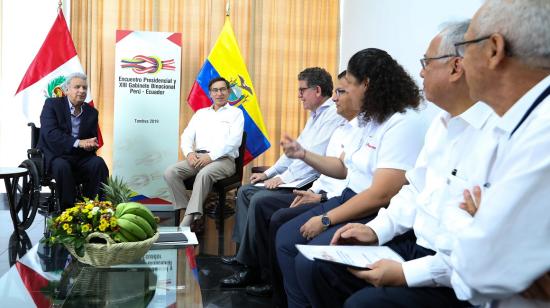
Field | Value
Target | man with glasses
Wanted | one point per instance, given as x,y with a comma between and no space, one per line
345,139
210,143
68,139
314,91
506,53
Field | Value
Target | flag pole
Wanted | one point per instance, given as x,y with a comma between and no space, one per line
59,4
226,7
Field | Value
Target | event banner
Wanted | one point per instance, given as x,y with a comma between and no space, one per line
146,115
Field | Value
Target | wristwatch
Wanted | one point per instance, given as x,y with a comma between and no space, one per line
325,221
324,196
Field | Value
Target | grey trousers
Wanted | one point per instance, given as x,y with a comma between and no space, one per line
204,180
244,231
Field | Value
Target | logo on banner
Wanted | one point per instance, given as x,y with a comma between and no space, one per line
238,93
147,65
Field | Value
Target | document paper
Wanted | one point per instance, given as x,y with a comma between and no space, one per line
295,184
358,256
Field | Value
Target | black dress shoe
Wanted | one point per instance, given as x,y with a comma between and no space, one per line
263,290
229,260
240,279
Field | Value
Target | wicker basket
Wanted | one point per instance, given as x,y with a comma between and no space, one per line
111,253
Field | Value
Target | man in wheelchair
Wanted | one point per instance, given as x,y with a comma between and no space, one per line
68,140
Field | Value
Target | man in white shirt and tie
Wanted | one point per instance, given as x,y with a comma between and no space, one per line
210,143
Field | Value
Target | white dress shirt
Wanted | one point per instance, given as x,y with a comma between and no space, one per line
507,245
346,138
218,132
314,137
448,163
393,144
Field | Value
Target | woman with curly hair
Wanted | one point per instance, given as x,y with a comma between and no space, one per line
393,134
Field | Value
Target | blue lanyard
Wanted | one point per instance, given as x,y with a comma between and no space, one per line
537,102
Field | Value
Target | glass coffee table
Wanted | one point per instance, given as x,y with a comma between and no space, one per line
166,276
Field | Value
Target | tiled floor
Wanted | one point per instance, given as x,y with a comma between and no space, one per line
211,270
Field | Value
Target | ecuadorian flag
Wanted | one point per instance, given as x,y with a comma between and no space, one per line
225,60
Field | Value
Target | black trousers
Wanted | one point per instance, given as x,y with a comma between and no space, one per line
70,170
336,287
270,215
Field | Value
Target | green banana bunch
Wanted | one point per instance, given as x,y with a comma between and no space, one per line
136,222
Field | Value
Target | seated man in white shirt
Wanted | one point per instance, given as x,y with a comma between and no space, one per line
314,91
210,143
506,55
259,254
427,206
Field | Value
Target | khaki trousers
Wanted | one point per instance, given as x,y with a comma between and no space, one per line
204,180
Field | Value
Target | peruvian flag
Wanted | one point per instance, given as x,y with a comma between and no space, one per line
55,60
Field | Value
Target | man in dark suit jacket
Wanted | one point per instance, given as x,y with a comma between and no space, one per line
68,139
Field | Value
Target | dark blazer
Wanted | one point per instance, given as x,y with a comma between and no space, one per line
55,129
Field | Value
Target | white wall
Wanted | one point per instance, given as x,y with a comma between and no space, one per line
403,28
25,24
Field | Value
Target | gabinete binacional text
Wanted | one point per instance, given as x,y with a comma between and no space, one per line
146,85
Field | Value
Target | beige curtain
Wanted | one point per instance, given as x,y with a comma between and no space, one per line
277,39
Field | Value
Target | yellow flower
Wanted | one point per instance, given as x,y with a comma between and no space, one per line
113,223
89,206
85,210
65,226
90,214
69,231
70,218
85,228
102,228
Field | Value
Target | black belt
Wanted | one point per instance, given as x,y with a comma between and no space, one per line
202,151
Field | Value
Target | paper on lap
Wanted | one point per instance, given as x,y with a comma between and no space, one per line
356,256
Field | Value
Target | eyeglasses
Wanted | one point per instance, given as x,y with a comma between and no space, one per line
216,90
340,92
301,90
460,46
426,60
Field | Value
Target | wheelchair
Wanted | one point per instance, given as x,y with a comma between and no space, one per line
28,198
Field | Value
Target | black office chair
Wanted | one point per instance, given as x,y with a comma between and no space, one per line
221,187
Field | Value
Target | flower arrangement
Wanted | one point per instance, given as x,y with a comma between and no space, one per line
103,233
76,223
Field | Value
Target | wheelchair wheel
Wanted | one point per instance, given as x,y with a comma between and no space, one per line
27,195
